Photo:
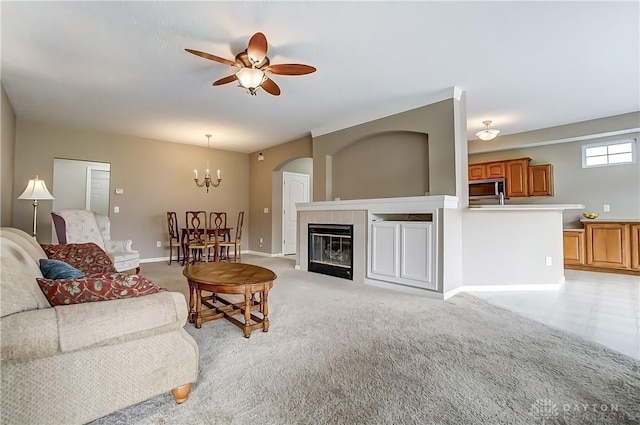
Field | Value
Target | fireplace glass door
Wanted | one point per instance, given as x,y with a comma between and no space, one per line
330,249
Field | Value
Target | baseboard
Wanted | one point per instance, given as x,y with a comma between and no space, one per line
154,260
526,287
262,254
405,289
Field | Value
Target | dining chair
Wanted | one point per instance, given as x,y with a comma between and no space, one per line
197,239
174,235
236,242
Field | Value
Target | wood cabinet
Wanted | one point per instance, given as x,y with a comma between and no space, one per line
635,247
477,172
403,252
541,180
521,178
607,245
573,246
610,245
517,177
488,170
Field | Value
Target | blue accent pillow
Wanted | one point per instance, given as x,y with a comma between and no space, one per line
56,269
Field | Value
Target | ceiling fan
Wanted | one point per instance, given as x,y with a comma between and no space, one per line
254,65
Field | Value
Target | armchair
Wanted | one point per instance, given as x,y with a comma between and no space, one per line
81,226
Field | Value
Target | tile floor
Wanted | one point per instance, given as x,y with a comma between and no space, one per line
601,307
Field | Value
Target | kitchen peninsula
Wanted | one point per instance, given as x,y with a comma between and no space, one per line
430,245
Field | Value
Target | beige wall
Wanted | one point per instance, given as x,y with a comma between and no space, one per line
156,177
436,120
390,164
7,147
262,191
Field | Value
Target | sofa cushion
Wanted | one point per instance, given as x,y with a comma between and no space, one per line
56,269
18,285
96,287
86,257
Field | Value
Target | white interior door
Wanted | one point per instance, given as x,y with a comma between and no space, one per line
97,198
295,188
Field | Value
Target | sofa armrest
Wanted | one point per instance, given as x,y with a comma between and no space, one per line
97,323
118,246
29,335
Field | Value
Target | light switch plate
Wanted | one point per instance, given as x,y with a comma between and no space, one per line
116,209
266,210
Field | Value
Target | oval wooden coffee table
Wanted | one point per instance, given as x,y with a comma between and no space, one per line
229,278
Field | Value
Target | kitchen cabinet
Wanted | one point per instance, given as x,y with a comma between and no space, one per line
403,252
477,172
635,247
489,170
517,177
610,245
541,180
573,246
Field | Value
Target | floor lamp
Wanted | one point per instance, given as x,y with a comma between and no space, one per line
36,190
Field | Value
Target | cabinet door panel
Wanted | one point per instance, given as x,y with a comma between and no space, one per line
541,180
517,178
384,240
477,172
607,245
573,246
635,246
496,170
416,253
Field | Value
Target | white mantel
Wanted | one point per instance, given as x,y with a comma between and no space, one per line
410,204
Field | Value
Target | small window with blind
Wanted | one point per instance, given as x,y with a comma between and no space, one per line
609,153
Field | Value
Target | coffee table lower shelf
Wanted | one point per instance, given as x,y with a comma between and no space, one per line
230,309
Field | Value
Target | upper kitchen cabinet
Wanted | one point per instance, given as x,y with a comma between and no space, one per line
541,180
489,170
521,178
517,183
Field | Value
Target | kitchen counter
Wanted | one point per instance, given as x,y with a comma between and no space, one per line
527,207
610,220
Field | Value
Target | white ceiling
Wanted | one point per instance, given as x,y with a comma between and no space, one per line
121,66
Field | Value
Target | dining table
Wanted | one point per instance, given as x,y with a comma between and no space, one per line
224,233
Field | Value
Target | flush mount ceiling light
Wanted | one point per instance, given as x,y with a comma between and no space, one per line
254,66
487,133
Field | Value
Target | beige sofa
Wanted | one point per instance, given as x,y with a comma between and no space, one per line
75,363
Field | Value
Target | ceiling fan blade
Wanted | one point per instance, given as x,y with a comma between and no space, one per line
257,48
230,79
291,69
271,87
211,57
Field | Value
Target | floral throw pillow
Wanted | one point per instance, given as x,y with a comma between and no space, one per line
96,287
89,258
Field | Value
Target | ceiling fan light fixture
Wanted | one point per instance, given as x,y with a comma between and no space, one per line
250,78
487,133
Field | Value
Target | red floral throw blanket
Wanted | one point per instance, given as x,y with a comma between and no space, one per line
101,281
89,258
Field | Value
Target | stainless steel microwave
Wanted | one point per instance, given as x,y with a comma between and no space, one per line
482,189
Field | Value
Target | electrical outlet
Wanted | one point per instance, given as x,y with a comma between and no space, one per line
548,261
158,244
116,209
606,208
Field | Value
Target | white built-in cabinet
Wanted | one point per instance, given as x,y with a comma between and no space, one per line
403,252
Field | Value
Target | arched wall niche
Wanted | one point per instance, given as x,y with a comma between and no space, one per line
382,165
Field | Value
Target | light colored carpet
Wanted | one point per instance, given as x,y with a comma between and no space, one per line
340,353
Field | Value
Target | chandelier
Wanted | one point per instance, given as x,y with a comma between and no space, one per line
487,133
207,175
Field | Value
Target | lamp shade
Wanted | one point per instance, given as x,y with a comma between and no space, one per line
487,133
250,78
36,189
